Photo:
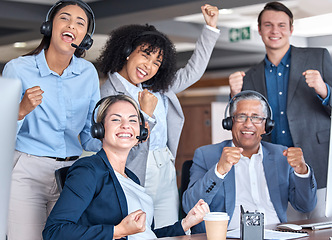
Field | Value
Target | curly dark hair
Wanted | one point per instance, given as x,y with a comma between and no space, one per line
123,40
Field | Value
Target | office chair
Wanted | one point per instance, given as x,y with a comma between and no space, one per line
185,175
60,177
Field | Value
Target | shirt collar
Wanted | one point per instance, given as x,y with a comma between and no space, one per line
74,66
285,61
127,84
259,153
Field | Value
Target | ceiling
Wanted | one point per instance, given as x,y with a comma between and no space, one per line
181,20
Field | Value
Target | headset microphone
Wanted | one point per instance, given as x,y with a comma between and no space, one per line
78,47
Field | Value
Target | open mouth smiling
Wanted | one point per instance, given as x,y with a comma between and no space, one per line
68,36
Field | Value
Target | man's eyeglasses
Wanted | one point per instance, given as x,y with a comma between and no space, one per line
241,118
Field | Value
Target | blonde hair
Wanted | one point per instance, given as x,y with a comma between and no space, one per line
109,101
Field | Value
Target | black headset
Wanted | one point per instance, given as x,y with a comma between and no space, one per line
46,27
227,122
129,49
98,131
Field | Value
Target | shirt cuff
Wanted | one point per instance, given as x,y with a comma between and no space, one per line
19,125
188,232
306,175
148,118
221,176
212,29
326,100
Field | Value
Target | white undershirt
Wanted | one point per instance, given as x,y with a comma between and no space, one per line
138,199
251,190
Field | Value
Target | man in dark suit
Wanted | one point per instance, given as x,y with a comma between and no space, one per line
247,171
297,82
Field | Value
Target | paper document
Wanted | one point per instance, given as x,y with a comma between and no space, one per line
269,234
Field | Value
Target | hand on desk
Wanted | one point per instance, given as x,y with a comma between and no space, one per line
133,223
195,215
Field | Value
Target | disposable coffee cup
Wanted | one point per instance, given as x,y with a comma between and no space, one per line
216,225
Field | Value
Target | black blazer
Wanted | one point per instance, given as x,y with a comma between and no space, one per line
92,203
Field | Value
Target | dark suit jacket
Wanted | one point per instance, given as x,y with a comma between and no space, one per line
282,183
92,203
309,120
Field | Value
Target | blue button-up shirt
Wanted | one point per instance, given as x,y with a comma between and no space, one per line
276,78
60,125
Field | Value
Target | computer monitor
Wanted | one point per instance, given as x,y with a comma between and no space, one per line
10,92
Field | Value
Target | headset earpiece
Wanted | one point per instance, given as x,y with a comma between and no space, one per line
227,122
269,125
144,132
86,42
127,51
46,28
97,130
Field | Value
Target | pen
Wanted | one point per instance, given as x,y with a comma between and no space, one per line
322,226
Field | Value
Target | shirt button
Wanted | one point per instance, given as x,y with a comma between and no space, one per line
287,65
281,113
271,70
280,93
283,132
279,74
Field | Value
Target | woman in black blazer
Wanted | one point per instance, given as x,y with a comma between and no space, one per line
101,198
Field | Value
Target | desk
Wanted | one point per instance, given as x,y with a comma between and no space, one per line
323,234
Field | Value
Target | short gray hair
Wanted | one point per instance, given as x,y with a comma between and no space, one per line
249,96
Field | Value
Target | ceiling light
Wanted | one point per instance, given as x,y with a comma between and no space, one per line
20,45
226,11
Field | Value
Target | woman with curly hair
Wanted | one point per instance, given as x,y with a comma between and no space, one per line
140,62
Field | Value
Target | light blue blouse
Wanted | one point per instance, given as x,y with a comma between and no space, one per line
60,125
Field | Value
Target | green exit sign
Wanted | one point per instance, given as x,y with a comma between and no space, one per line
237,34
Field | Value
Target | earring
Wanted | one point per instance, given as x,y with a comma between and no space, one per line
127,58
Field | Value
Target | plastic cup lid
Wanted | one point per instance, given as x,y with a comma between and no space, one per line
216,216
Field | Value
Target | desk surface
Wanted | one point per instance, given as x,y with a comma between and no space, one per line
322,234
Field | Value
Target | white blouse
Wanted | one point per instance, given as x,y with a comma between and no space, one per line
138,199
